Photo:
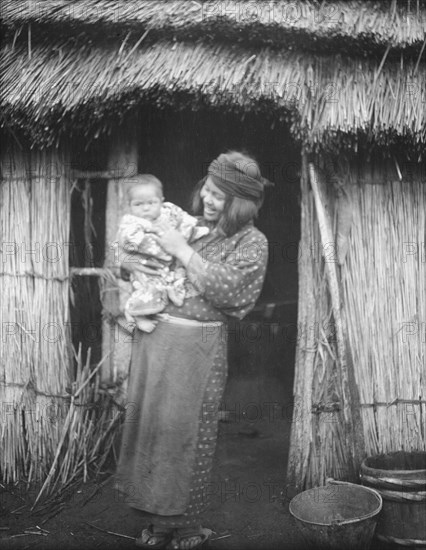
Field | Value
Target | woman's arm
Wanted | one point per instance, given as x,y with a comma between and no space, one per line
233,282
228,273
174,243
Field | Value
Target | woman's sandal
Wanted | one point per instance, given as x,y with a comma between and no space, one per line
176,543
149,539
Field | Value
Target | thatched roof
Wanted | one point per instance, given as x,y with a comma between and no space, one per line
370,26
334,71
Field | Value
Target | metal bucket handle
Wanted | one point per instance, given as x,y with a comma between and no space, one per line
331,481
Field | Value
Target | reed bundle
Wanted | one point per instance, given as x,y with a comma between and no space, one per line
34,288
328,452
384,288
318,447
88,431
329,97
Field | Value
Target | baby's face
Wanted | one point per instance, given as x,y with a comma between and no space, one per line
145,202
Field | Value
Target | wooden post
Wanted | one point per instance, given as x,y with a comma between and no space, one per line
116,341
300,441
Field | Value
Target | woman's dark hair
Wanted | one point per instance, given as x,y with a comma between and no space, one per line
237,212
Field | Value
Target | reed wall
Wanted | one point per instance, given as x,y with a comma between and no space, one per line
384,288
378,215
34,290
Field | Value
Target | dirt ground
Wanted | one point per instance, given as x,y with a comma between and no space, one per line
248,509
250,497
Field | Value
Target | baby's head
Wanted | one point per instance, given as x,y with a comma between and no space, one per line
145,195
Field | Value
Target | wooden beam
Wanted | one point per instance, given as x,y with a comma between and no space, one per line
101,175
92,272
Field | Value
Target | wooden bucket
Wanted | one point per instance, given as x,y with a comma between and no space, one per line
400,478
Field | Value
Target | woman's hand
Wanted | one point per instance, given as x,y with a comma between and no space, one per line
173,243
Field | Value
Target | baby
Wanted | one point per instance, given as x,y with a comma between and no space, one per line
161,279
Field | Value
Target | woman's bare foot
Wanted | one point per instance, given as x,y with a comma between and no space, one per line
153,538
189,543
185,540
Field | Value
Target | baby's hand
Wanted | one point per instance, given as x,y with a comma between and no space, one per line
131,322
161,227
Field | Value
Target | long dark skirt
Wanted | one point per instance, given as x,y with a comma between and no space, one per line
177,378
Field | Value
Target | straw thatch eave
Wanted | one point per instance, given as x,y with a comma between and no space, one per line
354,28
50,91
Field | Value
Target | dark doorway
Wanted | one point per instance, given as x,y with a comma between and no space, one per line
177,147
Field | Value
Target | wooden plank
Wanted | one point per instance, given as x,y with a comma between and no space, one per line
301,430
123,158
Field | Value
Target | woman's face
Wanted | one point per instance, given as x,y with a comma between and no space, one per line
213,200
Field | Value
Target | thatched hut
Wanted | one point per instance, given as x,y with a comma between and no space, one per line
94,90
